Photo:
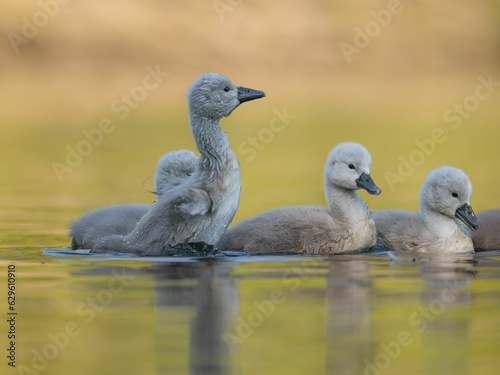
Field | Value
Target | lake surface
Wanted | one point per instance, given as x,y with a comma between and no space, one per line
355,314
359,314
424,93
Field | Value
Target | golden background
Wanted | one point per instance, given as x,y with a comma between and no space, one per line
417,60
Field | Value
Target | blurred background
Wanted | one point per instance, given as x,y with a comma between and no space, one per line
416,82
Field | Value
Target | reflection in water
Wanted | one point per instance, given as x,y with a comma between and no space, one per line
205,292
445,327
172,318
347,316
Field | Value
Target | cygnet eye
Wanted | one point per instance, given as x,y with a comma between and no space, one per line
226,89
351,166
455,195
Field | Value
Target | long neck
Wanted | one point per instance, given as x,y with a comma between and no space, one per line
211,142
345,204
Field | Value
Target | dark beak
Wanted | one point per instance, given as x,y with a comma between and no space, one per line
246,94
365,182
467,215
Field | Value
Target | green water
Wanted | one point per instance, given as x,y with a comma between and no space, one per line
359,314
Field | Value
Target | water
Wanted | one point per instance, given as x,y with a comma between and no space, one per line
358,314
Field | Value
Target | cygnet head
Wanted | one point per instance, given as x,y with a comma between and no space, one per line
348,167
447,190
214,96
172,168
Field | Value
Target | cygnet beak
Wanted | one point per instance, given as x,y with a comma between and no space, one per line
366,182
245,94
467,216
